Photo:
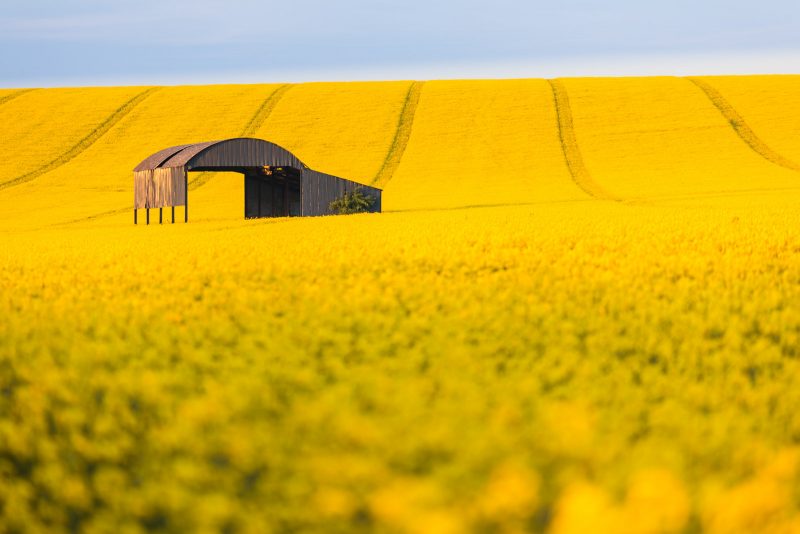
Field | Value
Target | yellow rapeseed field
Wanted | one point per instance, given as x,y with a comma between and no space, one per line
343,129
39,126
97,179
479,143
650,138
769,105
500,351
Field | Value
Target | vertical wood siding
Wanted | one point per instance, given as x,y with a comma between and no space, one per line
159,188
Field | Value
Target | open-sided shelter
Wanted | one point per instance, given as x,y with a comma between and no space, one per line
276,182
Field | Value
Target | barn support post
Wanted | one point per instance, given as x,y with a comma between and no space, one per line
257,186
185,196
274,209
134,217
160,215
173,214
147,211
286,197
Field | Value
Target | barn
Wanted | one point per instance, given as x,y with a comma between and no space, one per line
276,182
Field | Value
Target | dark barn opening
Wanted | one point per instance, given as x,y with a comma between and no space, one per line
272,192
276,182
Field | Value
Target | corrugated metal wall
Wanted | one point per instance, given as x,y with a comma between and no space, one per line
265,196
320,189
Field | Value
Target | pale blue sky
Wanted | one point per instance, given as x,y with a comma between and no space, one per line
110,42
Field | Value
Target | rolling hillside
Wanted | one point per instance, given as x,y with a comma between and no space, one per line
579,312
651,138
66,154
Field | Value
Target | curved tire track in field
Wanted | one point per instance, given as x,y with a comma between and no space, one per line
253,125
90,217
265,110
15,94
569,145
119,114
401,136
741,127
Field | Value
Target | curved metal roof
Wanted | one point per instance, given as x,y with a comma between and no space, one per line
155,160
236,152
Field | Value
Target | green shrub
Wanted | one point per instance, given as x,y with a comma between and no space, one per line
353,202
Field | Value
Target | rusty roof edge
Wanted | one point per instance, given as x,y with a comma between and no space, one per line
193,149
154,160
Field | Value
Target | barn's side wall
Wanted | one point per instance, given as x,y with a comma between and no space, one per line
141,184
320,189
